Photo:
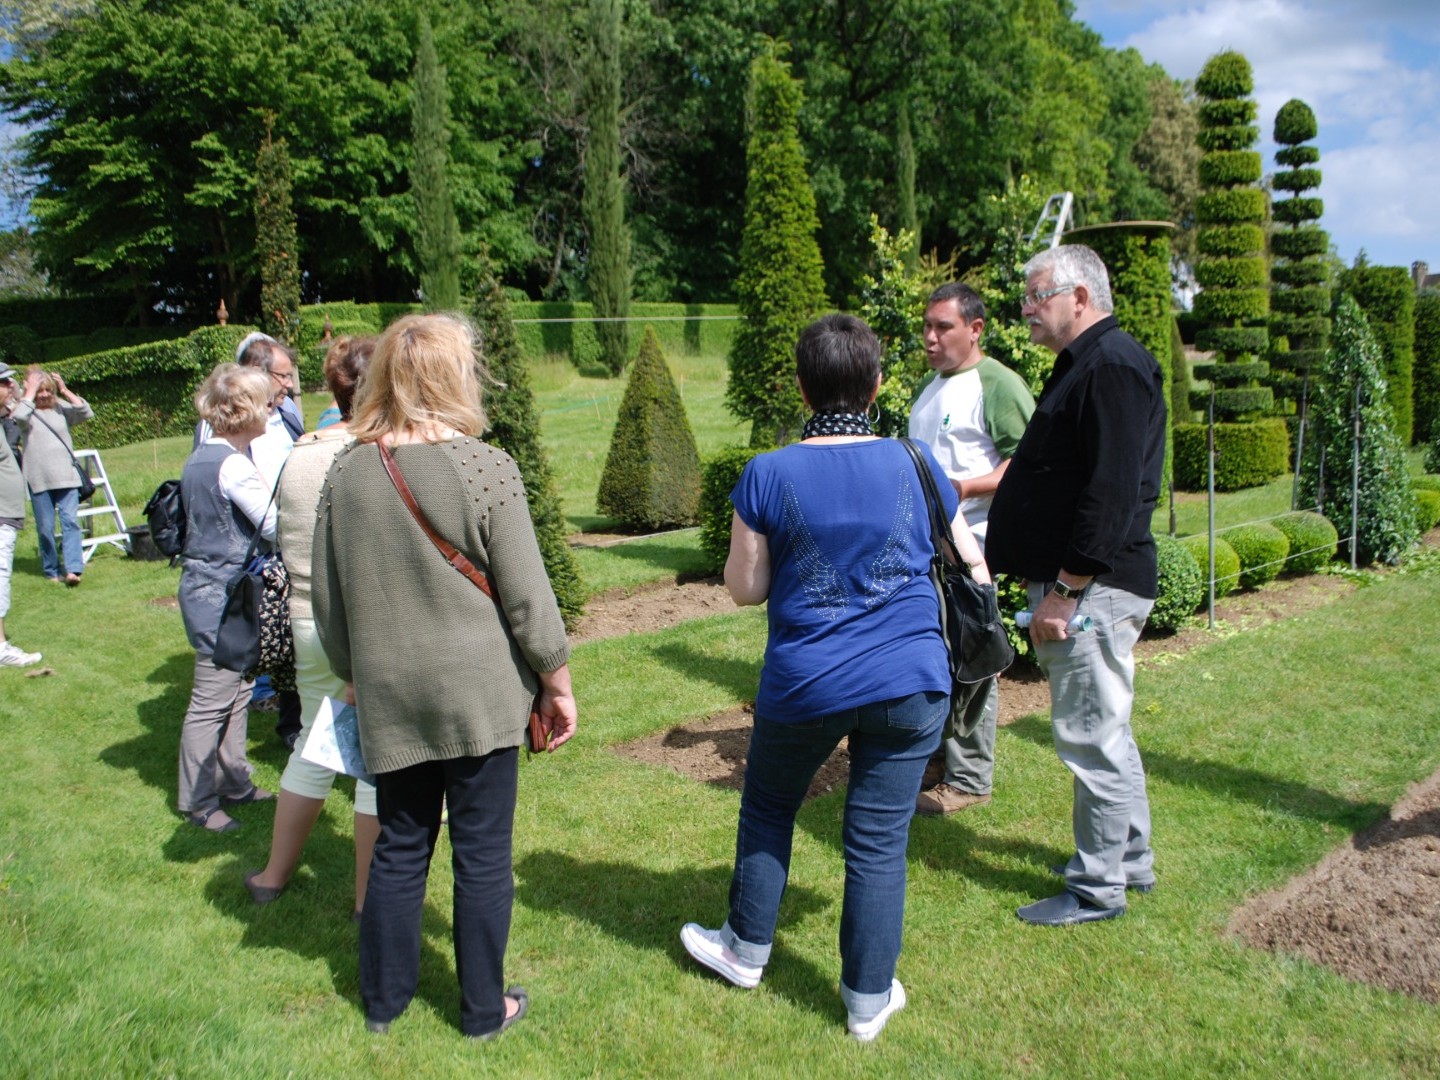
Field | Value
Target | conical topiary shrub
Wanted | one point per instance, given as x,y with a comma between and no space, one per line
652,473
515,428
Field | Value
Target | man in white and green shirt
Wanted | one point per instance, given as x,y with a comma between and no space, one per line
971,411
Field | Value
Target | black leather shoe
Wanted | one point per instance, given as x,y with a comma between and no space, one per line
1141,887
1067,909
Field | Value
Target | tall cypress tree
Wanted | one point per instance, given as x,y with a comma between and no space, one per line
276,241
437,231
781,284
909,221
515,428
604,202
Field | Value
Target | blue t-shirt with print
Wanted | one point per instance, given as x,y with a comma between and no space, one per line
853,614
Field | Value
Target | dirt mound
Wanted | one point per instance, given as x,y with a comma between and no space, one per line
1370,911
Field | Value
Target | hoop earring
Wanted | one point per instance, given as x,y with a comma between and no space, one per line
873,407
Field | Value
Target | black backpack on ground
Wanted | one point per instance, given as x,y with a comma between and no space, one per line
166,516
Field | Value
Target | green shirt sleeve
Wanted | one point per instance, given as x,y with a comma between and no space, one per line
1007,405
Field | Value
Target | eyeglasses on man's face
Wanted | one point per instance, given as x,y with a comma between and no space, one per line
1035,299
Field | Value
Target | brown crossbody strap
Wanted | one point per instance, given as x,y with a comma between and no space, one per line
455,558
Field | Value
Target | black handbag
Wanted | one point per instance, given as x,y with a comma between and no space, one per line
969,610
254,636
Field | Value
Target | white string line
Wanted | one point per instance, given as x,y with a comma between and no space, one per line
635,318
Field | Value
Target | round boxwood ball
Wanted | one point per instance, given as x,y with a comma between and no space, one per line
1313,540
1227,563
1181,586
1428,504
1262,549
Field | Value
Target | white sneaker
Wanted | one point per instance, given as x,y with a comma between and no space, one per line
866,1030
704,945
10,656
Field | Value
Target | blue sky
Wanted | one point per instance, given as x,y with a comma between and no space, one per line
1371,72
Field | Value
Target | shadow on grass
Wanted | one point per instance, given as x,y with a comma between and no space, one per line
735,676
646,908
1233,782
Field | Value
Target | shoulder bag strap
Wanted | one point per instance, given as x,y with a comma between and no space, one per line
255,539
451,553
939,527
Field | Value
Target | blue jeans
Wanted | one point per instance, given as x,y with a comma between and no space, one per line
67,502
480,795
890,742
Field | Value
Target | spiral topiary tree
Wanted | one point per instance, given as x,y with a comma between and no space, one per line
1300,298
1234,305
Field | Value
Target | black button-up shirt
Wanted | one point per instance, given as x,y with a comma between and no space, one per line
1079,493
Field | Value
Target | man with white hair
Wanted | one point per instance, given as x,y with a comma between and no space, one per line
1072,517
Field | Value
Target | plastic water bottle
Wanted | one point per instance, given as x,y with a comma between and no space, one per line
1078,625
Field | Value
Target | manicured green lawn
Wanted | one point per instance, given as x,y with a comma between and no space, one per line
130,947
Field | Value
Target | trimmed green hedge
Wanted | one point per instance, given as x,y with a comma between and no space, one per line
1231,240
1299,273
1295,123
1241,273
1227,112
1251,339
1297,326
1262,550
1227,563
1387,296
1426,372
53,317
1236,137
1246,454
1223,305
1223,167
720,474
1427,504
1234,206
1245,401
1300,243
1428,482
145,391
1181,585
1225,75
1295,156
1298,210
1296,179
1313,540
1305,300
1232,373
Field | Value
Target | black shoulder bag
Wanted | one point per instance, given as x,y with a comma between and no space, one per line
969,611
254,636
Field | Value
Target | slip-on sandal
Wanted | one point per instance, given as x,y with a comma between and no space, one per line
255,794
261,894
202,821
522,1001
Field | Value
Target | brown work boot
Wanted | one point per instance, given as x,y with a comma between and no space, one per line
944,799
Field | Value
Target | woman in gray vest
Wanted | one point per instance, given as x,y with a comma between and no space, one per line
226,500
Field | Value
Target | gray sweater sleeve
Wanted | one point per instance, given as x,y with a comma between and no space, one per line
520,577
327,599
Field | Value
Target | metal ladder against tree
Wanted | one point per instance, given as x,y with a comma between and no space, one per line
90,461
1059,211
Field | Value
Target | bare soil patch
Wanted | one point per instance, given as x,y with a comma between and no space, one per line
1370,910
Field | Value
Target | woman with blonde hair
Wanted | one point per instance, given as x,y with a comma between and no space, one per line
47,410
304,786
443,674
226,500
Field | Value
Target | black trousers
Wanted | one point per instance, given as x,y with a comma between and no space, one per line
480,796
287,722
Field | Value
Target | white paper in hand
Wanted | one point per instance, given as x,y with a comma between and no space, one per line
333,741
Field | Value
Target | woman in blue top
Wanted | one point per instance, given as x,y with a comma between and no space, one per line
834,532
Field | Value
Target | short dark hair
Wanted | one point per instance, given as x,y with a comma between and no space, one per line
971,306
837,360
261,352
345,365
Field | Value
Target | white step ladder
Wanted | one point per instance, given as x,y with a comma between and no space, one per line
101,506
1058,213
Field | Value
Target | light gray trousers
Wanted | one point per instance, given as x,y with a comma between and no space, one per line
1092,687
970,759
212,738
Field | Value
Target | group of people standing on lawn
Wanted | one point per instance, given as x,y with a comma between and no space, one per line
374,514
834,534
